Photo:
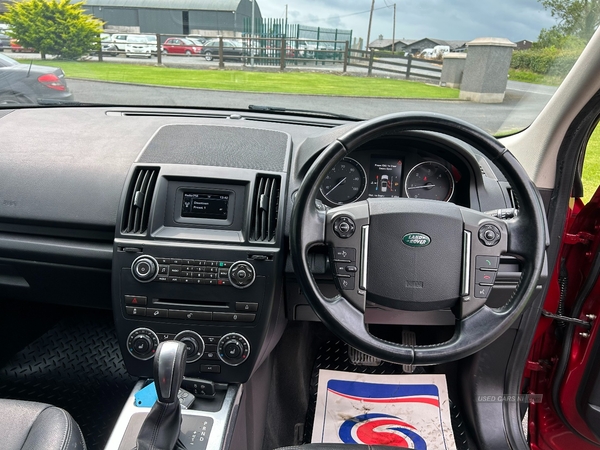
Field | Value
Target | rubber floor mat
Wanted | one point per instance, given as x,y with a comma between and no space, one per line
77,366
333,355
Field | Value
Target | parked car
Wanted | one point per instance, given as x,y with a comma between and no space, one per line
4,42
231,49
180,46
138,46
198,41
31,84
15,47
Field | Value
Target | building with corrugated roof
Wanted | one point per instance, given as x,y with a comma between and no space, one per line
203,17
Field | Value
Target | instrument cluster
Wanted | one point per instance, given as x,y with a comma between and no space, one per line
382,172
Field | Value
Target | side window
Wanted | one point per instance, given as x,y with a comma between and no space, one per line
591,166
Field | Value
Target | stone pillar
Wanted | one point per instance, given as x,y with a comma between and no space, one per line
486,70
452,70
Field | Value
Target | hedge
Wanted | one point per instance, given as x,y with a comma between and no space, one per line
545,61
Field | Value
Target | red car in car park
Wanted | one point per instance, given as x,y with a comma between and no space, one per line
180,46
15,47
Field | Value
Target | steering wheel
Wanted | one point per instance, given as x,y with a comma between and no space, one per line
419,255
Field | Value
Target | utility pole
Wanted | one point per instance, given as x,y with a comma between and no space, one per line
370,21
252,37
394,31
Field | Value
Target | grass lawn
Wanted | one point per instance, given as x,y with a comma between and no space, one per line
535,78
591,166
236,80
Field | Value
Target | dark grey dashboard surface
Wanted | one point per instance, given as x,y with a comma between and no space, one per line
67,166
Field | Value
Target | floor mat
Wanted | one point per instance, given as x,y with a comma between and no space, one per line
76,365
333,355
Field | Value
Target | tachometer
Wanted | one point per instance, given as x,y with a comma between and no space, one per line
430,180
345,183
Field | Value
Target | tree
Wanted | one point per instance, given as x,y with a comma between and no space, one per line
53,27
578,18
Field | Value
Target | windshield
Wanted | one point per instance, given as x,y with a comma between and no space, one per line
494,64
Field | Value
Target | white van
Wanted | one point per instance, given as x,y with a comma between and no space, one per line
440,50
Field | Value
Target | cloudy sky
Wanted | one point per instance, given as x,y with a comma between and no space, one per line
415,19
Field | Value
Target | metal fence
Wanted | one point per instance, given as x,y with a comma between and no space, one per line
289,52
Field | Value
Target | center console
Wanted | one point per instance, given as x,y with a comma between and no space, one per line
197,259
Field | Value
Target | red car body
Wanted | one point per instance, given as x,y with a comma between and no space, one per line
181,46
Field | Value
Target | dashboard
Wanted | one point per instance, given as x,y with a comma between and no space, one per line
179,220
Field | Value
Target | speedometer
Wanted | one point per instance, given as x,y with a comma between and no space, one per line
430,180
345,183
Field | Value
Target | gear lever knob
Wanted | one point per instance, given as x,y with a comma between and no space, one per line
169,368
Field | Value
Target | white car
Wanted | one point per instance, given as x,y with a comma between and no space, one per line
384,183
138,46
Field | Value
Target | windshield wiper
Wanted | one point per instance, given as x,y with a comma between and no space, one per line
279,109
52,101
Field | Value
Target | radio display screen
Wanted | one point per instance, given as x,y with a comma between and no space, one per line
204,205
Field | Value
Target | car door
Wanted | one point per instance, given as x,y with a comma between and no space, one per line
168,46
563,369
228,48
177,46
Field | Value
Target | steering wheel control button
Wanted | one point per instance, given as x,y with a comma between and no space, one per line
142,343
144,269
194,344
346,284
241,274
482,291
485,277
233,349
344,227
489,235
136,300
135,311
487,262
344,254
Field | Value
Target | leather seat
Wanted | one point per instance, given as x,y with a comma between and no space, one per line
33,426
340,447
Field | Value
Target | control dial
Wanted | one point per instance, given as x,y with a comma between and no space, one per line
233,349
241,274
144,268
142,343
194,343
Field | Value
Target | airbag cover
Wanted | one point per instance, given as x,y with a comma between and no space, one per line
404,270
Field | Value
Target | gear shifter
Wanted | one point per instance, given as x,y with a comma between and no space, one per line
160,429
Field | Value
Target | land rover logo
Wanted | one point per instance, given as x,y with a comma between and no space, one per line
416,240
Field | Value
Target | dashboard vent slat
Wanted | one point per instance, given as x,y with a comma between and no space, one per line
265,209
137,206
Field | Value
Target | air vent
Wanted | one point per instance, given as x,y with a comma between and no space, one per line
265,207
139,198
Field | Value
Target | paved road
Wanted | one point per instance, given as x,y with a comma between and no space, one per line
517,111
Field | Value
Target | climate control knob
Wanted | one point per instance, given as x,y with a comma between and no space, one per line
142,343
144,268
194,343
233,349
241,274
